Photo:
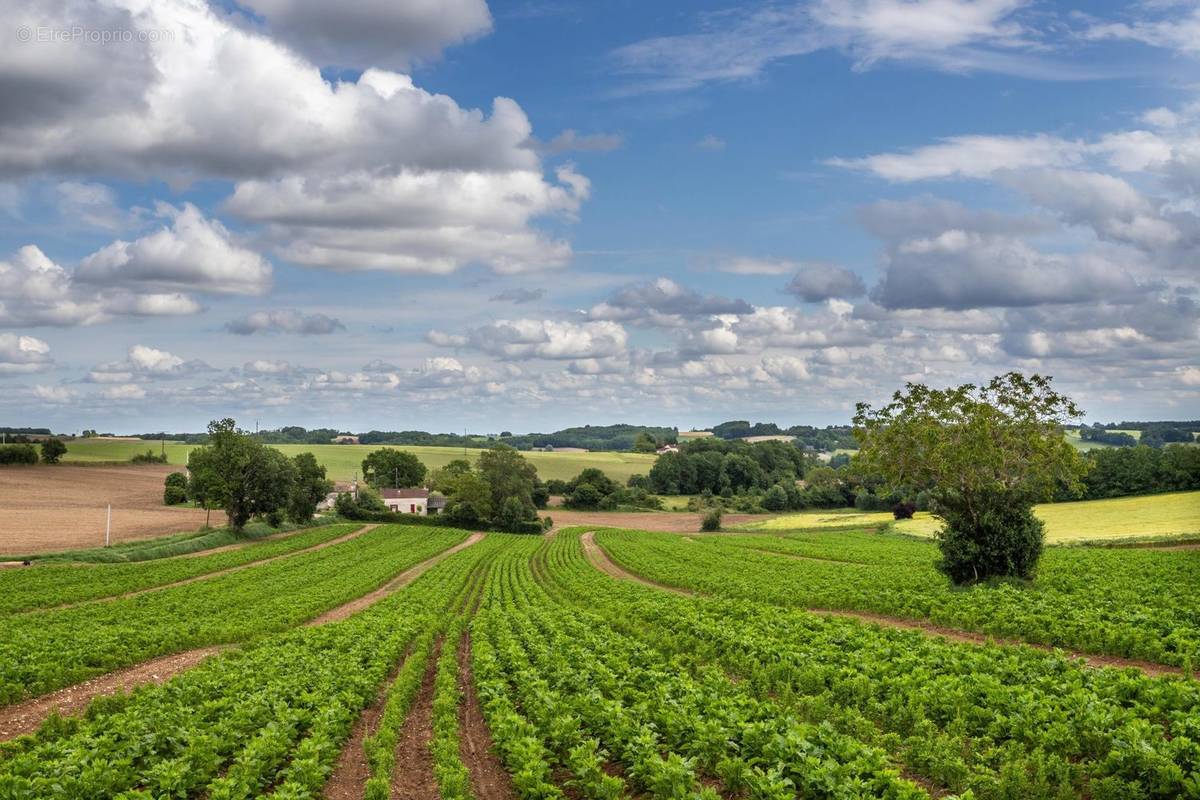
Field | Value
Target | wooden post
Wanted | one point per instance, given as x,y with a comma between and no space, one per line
108,526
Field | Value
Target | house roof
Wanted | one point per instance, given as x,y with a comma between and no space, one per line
404,494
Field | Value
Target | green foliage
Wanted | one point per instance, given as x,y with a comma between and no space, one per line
711,521
719,466
18,454
644,443
148,457
776,499
1142,470
984,454
309,488
53,450
390,468
46,650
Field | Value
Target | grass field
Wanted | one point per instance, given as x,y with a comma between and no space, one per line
343,460
1119,518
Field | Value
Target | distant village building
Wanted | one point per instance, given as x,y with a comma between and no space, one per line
413,501
345,440
668,448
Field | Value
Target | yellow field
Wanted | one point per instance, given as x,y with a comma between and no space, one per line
343,460
1122,517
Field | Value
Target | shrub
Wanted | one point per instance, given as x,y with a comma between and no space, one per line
18,454
1005,540
711,521
175,489
53,450
148,457
904,510
585,495
776,499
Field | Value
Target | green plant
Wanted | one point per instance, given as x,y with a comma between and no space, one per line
711,521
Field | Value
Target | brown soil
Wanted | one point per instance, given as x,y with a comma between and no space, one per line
489,780
399,582
669,521
219,573
412,777
63,507
28,716
602,562
352,770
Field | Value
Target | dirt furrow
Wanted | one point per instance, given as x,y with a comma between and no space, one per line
412,776
602,562
209,575
489,780
28,716
395,584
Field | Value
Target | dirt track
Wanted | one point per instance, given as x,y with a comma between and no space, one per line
62,507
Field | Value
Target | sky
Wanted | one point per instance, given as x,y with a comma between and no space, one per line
463,215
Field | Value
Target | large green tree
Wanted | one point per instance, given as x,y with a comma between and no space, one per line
237,472
53,450
390,468
985,454
309,489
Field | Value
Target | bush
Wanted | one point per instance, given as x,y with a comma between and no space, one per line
1005,540
776,499
53,450
175,489
148,457
711,521
904,510
585,496
18,454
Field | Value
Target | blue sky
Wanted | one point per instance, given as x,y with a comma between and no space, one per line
526,215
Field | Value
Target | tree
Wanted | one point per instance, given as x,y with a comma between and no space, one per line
776,499
309,489
469,500
985,454
388,467
53,450
644,443
585,495
508,474
175,489
237,472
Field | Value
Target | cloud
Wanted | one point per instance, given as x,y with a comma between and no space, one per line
284,321
23,354
816,281
53,395
711,143
195,253
960,269
969,157
572,141
432,221
92,204
361,33
1180,33
518,296
664,303
758,266
146,363
520,339
36,291
739,44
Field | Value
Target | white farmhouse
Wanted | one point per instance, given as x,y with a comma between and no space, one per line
412,501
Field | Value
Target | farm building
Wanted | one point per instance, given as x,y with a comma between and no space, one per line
668,448
413,501
345,439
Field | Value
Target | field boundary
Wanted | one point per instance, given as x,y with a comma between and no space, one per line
603,562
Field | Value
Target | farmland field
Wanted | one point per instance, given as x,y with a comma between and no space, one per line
1173,514
344,460
695,669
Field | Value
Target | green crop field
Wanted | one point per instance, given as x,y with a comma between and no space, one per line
1172,514
563,667
343,460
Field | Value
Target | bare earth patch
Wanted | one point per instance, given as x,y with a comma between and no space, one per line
62,507
412,777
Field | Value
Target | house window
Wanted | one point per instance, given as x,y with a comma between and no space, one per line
412,508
